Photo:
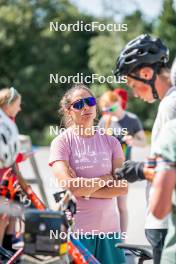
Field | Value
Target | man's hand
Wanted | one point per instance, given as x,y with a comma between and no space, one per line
131,171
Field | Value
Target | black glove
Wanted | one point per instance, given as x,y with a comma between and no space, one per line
131,171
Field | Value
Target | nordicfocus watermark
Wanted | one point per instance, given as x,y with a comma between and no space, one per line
79,182
79,234
88,131
93,26
88,79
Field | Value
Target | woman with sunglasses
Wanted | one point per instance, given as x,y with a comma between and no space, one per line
85,160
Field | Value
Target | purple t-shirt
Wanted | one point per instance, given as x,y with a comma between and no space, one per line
90,157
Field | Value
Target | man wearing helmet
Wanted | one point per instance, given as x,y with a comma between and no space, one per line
144,60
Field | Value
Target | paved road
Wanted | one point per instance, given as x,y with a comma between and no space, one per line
136,196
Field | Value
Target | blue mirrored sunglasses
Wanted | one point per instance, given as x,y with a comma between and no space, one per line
90,101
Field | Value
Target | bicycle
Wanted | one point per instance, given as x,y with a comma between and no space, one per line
76,253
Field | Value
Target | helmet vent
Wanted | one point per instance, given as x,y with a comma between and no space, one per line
4,139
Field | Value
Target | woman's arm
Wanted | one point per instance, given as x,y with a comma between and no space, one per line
77,185
114,188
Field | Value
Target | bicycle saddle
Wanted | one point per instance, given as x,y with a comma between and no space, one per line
139,250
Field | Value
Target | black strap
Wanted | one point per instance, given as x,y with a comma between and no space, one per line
149,82
6,253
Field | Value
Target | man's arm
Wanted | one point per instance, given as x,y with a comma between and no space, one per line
163,184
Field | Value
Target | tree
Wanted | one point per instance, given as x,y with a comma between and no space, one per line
166,27
30,52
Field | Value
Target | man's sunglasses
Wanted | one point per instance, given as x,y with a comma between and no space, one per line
90,101
111,109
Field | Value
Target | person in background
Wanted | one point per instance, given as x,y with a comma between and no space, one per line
126,127
10,105
9,147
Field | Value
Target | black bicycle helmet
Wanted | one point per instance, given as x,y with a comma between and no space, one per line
141,51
